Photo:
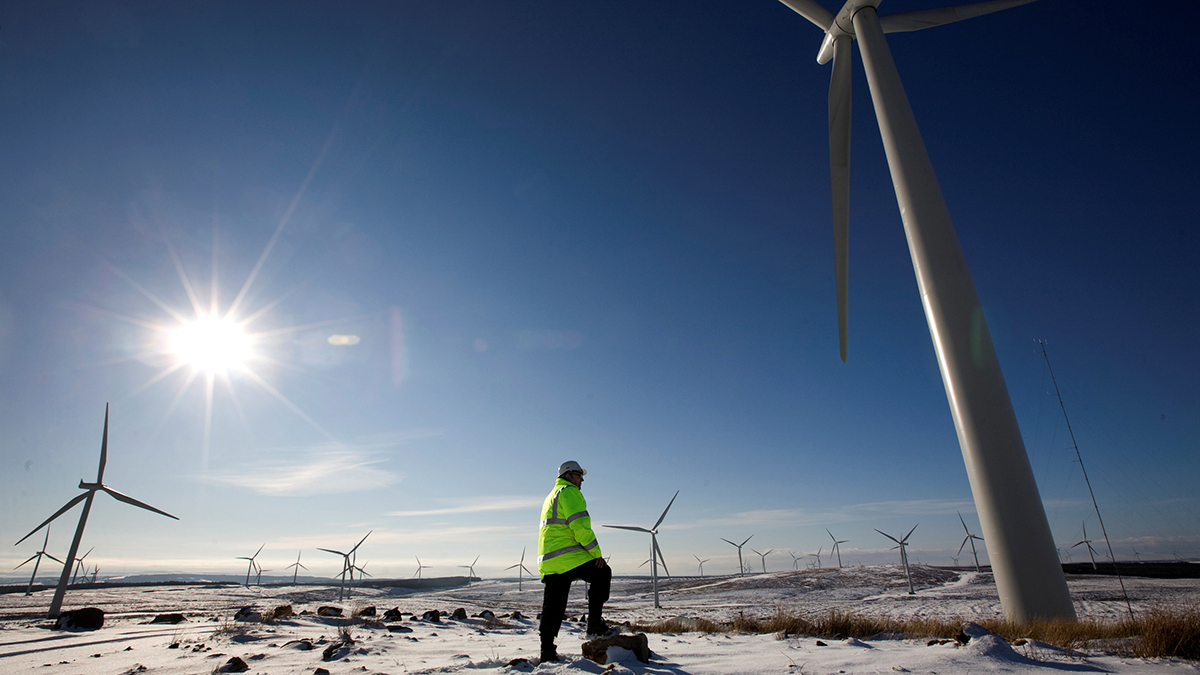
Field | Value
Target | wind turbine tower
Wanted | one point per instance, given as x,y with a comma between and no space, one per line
87,498
902,544
971,538
1029,579
701,563
37,558
836,543
741,567
764,558
655,553
520,567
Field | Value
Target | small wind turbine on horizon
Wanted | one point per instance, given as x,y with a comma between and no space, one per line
902,544
655,553
470,570
795,561
817,555
764,558
296,567
95,572
37,557
971,538
1021,546
1091,551
86,498
258,577
80,568
420,567
701,563
253,565
741,567
836,544
520,567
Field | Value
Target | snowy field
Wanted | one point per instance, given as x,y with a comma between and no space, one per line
205,643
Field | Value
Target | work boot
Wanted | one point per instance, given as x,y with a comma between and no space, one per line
549,653
601,629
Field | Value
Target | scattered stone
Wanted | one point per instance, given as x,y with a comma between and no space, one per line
173,645
303,644
88,618
129,648
461,656
331,652
517,663
432,615
487,614
169,618
369,610
137,668
597,650
1020,642
821,644
249,614
393,614
281,612
326,610
320,671
397,628
459,614
235,665
518,615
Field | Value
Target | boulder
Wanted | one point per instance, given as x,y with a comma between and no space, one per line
459,614
320,671
281,612
88,618
432,615
516,615
369,610
393,614
248,613
235,665
597,650
327,610
337,649
169,618
487,614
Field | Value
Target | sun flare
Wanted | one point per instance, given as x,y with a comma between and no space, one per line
211,344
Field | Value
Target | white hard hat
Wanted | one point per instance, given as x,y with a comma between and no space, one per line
570,465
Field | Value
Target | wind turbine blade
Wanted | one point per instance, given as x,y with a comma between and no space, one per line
888,536
130,500
54,559
260,548
835,541
721,538
910,532
964,524
26,560
360,541
73,502
664,513
960,546
658,551
744,542
628,527
839,176
809,9
103,448
327,550
929,18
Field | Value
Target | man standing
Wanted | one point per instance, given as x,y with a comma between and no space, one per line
568,550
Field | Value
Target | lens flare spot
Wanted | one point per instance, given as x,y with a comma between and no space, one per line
343,340
211,344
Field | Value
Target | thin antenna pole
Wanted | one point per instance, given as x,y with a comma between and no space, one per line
1079,456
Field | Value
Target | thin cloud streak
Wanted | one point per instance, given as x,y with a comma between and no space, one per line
328,469
500,504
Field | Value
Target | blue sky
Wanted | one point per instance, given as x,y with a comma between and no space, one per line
572,231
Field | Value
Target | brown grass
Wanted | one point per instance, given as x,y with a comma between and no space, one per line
1153,634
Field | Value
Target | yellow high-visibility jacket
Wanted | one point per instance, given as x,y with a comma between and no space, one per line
565,539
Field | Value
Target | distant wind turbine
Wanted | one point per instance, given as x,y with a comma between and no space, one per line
1091,551
655,553
836,543
253,565
37,558
347,563
1021,547
80,568
764,558
971,538
95,571
795,561
258,577
470,569
741,567
701,563
420,567
86,498
296,567
817,555
520,567
902,544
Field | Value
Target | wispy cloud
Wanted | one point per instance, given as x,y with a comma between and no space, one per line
328,468
487,504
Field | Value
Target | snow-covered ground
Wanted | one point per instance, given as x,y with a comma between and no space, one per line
210,636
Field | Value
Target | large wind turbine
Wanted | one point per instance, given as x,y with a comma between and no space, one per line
37,558
520,567
86,498
347,563
902,544
764,557
655,554
1028,577
836,544
253,565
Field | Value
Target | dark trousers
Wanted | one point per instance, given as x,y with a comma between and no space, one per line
558,586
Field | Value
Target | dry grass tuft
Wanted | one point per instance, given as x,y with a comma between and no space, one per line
1153,634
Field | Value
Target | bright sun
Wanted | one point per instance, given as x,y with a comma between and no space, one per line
211,345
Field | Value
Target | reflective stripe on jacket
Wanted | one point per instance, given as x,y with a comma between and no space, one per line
565,539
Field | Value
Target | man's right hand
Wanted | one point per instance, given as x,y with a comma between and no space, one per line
601,563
